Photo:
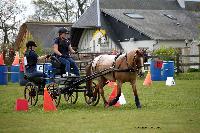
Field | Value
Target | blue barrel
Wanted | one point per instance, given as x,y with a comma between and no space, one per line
48,71
168,69
3,75
155,71
22,81
14,73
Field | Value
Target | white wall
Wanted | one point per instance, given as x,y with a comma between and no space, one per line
174,44
130,45
85,44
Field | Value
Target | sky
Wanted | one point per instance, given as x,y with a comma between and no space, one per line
30,8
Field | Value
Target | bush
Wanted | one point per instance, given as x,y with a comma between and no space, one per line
165,53
193,70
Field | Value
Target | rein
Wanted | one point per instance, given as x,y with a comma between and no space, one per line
129,68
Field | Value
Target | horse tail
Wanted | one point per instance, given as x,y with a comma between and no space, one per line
88,70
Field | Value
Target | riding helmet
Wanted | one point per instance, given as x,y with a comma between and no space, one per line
30,43
63,30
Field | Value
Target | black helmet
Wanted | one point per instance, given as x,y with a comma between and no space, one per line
63,30
30,43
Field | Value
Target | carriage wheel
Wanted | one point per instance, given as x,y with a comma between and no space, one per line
31,93
54,92
71,97
92,97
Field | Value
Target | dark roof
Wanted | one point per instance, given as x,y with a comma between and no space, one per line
157,25
42,32
89,18
140,4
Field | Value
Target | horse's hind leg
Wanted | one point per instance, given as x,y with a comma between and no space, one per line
137,101
114,101
101,84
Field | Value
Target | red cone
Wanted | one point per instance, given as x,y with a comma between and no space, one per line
16,60
21,105
1,59
148,81
48,102
113,95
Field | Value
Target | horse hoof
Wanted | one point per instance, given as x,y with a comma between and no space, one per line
139,106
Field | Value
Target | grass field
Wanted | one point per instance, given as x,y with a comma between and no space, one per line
174,109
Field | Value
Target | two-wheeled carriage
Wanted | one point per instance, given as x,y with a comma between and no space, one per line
58,84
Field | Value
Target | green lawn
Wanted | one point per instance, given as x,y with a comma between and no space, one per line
174,109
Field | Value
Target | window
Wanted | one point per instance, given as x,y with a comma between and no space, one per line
134,15
170,16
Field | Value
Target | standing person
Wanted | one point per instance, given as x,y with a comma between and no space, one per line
62,48
32,59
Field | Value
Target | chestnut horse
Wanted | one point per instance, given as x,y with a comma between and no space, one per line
125,69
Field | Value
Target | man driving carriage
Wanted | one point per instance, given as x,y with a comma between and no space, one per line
62,48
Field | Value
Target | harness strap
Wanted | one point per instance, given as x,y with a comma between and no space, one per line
114,63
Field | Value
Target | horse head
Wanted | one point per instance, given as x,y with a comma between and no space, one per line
136,58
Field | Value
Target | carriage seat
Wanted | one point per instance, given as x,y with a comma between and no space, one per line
35,79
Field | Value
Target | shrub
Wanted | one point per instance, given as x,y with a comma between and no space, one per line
165,53
193,70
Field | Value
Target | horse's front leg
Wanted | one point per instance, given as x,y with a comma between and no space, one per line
114,101
137,101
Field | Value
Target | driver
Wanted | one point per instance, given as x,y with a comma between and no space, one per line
62,48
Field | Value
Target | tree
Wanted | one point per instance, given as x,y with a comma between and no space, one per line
9,10
9,25
81,6
53,10
59,10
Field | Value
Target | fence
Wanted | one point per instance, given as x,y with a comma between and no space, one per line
82,59
182,62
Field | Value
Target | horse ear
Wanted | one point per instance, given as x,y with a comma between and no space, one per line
137,52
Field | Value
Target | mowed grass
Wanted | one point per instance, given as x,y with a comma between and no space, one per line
174,109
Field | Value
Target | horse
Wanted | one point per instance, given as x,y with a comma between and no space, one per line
125,68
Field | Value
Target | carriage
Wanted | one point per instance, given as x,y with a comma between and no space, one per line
123,69
57,84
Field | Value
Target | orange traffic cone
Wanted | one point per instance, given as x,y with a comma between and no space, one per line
113,95
148,81
1,59
16,60
48,104
21,105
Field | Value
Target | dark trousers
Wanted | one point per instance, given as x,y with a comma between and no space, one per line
68,62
